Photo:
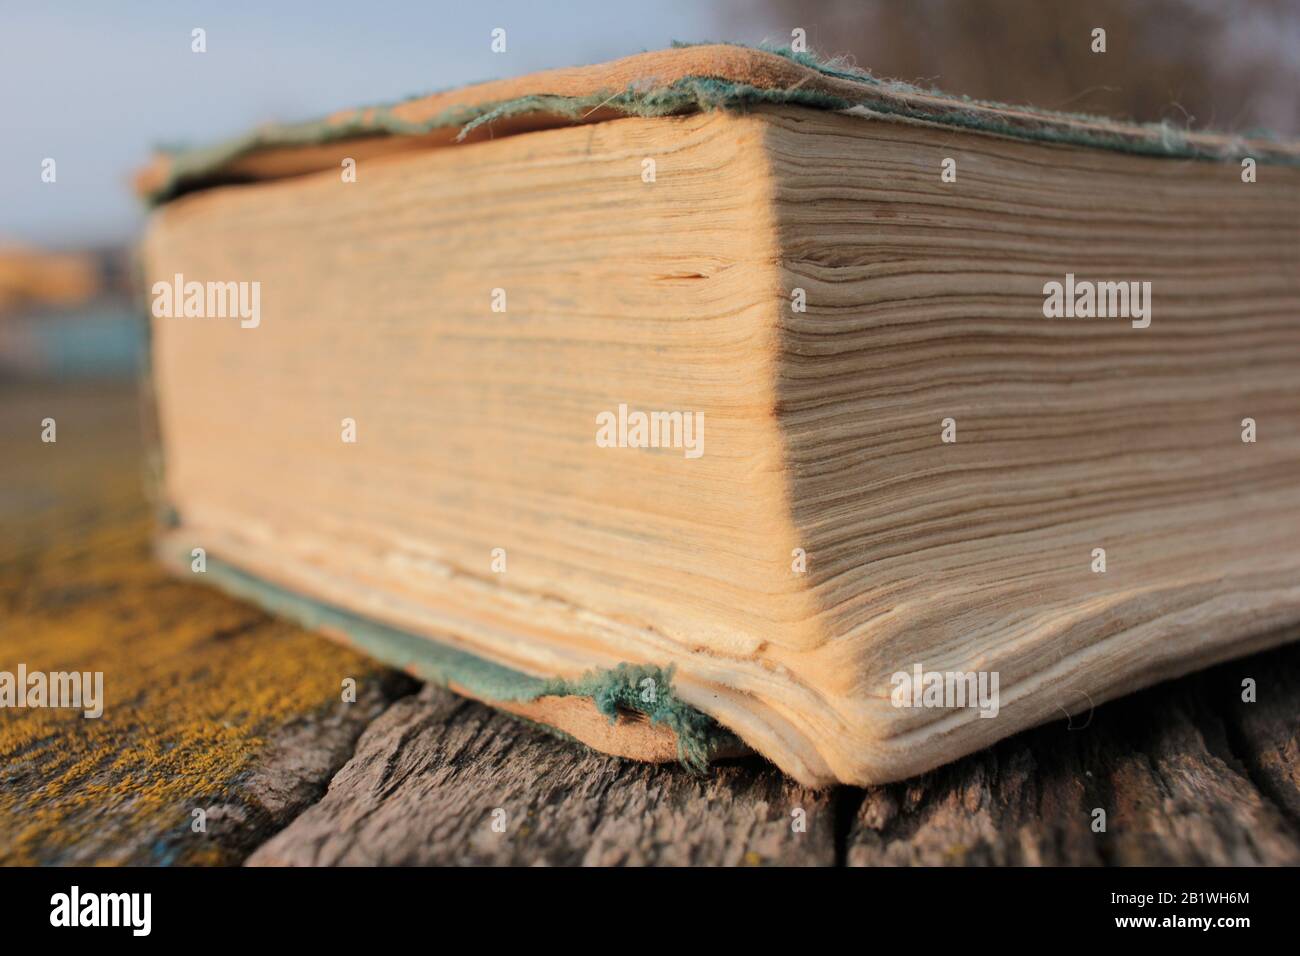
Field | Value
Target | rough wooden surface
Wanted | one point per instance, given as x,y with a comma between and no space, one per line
1187,773
211,704
432,776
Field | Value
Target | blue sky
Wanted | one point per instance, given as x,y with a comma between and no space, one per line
97,85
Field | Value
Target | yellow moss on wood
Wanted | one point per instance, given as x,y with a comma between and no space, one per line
194,682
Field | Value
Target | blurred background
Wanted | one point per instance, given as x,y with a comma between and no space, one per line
96,86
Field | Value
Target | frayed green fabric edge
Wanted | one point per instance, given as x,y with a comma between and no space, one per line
192,168
624,688
614,692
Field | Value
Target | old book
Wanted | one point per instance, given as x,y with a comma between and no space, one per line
720,398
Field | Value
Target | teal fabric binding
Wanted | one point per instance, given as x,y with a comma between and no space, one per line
614,692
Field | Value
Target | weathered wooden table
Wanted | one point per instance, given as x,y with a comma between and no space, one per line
225,737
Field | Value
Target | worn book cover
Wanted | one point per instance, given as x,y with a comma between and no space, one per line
719,399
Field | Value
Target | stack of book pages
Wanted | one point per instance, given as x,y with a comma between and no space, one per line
720,399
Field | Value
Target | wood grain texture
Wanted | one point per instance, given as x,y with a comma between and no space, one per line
429,775
1187,773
